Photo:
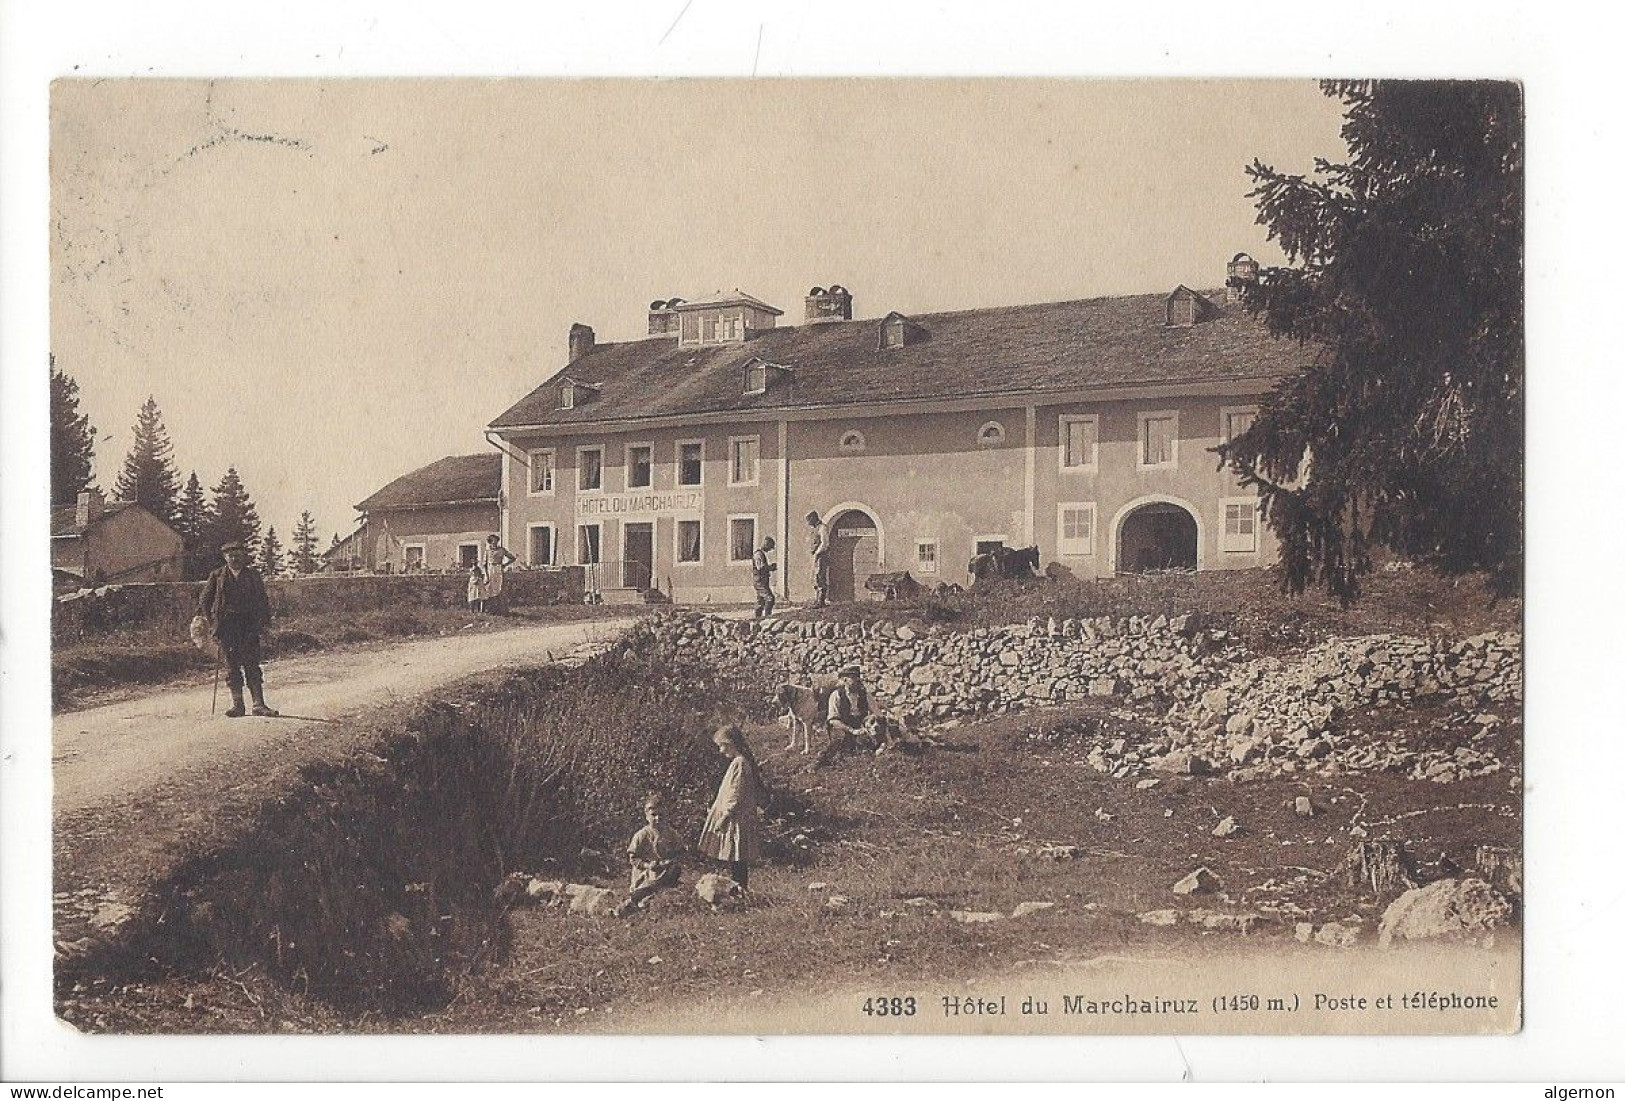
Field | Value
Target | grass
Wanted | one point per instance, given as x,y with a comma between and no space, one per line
149,656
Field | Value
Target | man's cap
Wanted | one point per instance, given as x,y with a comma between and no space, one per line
850,670
654,799
812,515
768,542
228,547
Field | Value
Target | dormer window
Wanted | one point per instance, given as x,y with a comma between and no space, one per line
573,392
990,434
761,375
897,331
1185,307
723,318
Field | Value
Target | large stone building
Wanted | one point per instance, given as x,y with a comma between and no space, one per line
1085,428
114,542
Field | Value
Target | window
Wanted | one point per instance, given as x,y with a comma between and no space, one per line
925,555
690,464
639,465
1075,528
567,396
987,544
468,555
990,434
741,538
1080,443
589,469
891,334
708,328
756,378
853,441
541,472
728,327
589,544
1234,421
742,460
540,548
1240,524
688,541
1159,440
413,557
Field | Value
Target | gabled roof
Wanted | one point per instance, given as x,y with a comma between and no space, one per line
64,520
1011,351
456,479
735,297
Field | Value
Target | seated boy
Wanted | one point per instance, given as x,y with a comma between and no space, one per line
654,851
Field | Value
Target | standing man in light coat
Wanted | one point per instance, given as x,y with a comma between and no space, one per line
819,545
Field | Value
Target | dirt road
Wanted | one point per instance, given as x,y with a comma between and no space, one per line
114,751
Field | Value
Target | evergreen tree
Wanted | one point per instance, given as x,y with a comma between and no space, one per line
149,478
304,559
270,558
73,441
192,521
232,518
1406,279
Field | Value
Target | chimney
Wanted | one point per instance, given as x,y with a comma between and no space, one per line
663,316
834,304
89,508
1241,272
581,340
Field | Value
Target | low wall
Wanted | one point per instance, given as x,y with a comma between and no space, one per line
1221,708
89,613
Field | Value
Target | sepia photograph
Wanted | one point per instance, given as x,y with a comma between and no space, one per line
803,556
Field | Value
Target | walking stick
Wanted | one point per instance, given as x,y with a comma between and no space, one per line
215,698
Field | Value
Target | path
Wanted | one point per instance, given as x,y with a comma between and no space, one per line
116,750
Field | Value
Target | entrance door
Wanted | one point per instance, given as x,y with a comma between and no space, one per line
1157,537
854,554
638,557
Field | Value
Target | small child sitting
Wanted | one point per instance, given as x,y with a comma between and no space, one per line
654,852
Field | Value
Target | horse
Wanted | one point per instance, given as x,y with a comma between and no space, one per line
1007,563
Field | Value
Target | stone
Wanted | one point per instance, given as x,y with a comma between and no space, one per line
817,886
1025,908
1216,701
1160,917
544,892
1209,919
906,634
1450,908
1304,932
591,901
837,902
975,917
1226,827
1337,935
717,891
1103,686
1010,658
920,902
1146,785
1181,762
1201,881
1302,807
1059,852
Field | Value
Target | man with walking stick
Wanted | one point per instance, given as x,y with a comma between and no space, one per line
234,603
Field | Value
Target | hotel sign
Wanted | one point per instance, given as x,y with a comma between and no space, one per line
647,504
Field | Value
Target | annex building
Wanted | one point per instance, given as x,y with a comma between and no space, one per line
1083,428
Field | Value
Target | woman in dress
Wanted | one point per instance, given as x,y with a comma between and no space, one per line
494,558
732,833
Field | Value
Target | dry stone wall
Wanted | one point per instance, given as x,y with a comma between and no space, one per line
1222,709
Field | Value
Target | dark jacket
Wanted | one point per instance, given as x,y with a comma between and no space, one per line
239,602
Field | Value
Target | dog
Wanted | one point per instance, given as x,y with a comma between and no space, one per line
806,707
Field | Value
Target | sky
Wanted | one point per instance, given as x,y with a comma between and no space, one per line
330,283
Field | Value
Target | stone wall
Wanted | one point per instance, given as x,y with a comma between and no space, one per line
84,615
1221,709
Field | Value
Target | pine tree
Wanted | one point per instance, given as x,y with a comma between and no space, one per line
149,478
233,518
192,521
1407,281
73,441
304,559
270,557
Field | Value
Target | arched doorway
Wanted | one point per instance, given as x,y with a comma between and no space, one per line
1159,535
854,553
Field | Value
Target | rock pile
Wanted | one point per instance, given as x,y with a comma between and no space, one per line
1222,711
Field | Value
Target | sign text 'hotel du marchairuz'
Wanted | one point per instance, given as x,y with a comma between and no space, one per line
680,502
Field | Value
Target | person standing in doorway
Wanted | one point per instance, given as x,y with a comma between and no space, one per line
761,576
494,558
234,602
819,545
